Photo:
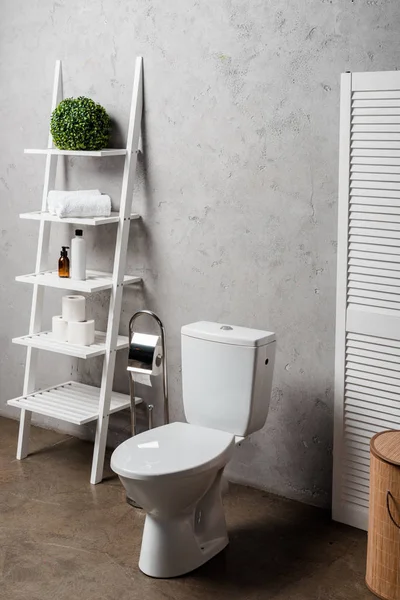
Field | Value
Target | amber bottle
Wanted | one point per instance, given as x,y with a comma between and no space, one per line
63,262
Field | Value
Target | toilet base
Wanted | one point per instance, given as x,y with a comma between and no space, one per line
171,548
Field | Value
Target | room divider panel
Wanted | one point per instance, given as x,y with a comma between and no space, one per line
367,364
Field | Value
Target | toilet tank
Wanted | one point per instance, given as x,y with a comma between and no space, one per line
227,376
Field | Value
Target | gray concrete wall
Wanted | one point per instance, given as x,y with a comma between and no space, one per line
237,187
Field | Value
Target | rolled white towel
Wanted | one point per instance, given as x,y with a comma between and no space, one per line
85,206
54,197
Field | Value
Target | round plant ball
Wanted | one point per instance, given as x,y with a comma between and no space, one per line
80,124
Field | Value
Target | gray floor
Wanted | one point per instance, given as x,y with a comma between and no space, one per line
61,538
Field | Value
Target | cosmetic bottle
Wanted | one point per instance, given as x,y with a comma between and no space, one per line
78,256
63,262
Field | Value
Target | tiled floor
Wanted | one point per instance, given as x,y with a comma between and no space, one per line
61,538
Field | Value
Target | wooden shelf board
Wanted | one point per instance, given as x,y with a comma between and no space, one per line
70,401
96,281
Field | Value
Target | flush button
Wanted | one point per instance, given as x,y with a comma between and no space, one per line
226,327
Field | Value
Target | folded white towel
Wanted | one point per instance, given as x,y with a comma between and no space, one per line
85,206
54,197
79,203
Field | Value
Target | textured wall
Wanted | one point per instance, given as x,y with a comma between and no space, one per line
237,186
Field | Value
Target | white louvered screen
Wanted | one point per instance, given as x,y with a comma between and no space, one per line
367,366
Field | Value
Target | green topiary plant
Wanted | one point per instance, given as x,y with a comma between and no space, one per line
80,124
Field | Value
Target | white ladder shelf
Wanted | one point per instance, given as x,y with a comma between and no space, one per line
71,401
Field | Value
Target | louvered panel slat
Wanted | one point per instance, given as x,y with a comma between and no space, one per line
373,219
356,483
373,202
391,368
359,363
357,463
373,144
369,425
374,185
358,491
357,444
366,293
353,491
350,499
377,351
361,176
354,454
372,103
366,420
355,473
372,287
357,440
374,408
384,213
375,111
375,119
379,233
353,338
385,396
377,95
359,423
370,383
382,418
367,394
360,447
369,429
390,130
390,413
373,255
374,168
381,248
393,267
363,239
376,155
389,228
390,306
374,193
380,282
362,273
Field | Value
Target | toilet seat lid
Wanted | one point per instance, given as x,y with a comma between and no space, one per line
174,449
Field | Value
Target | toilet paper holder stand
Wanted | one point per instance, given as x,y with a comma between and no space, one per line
131,370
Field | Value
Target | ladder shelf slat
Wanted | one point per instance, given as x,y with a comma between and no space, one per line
39,215
71,401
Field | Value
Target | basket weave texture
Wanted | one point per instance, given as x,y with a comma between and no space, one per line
383,554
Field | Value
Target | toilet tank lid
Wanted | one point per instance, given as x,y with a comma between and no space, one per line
228,334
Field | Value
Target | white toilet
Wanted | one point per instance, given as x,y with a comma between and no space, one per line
174,471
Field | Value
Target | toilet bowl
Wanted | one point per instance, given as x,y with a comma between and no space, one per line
175,471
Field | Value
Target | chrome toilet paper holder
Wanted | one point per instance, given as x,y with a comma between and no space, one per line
135,366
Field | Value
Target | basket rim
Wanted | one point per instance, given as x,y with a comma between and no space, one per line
379,454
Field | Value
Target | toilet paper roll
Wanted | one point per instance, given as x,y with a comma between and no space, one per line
143,379
81,333
73,308
145,354
59,329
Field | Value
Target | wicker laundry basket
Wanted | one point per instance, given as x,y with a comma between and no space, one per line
383,558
